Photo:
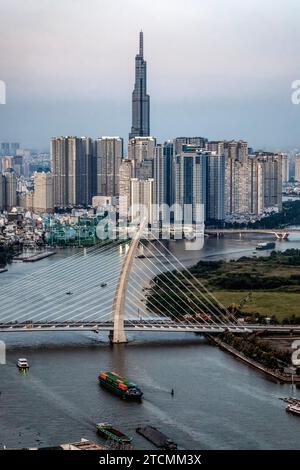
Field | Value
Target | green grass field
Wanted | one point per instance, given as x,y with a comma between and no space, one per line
268,303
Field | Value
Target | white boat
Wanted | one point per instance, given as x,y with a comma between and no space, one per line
295,409
22,363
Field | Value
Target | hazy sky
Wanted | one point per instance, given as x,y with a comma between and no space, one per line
217,68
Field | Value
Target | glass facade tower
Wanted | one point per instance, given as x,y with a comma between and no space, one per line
140,99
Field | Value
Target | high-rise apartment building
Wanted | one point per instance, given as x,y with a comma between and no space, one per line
10,189
109,153
168,152
272,175
43,192
190,184
255,185
2,193
236,150
237,186
125,175
140,98
7,162
14,147
141,199
285,168
297,167
5,148
215,186
72,170
200,142
141,148
65,158
88,172
216,146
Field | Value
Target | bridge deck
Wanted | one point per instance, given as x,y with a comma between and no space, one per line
137,325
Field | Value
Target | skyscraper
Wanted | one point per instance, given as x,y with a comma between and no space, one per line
2,192
297,167
140,99
67,157
43,192
190,183
201,142
125,175
109,153
216,186
10,188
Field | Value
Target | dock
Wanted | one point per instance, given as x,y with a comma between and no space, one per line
291,400
83,444
35,257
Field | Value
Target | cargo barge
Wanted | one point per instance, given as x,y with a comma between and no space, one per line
107,431
157,438
120,386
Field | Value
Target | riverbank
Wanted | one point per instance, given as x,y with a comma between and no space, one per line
282,378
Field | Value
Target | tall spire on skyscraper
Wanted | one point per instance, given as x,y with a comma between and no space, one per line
141,44
140,99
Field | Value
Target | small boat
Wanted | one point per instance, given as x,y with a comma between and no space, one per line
22,363
109,432
294,409
69,293
157,438
266,246
104,284
120,386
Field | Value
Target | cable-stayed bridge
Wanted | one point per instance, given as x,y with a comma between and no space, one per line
106,288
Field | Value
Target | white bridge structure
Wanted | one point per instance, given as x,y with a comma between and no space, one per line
106,288
279,234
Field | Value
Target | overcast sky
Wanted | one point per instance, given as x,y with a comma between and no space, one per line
217,68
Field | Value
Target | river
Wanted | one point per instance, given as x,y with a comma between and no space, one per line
219,403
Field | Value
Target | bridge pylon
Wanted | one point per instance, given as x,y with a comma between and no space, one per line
118,308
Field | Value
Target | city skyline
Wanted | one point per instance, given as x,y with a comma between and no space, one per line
212,80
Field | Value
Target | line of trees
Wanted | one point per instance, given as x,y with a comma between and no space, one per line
258,350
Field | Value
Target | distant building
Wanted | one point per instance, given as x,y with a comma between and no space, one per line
10,189
272,178
215,186
216,146
285,168
2,193
43,192
168,152
297,167
109,153
159,187
5,148
140,98
254,185
190,183
7,162
73,169
14,147
140,149
200,142
237,186
141,199
125,175
236,150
